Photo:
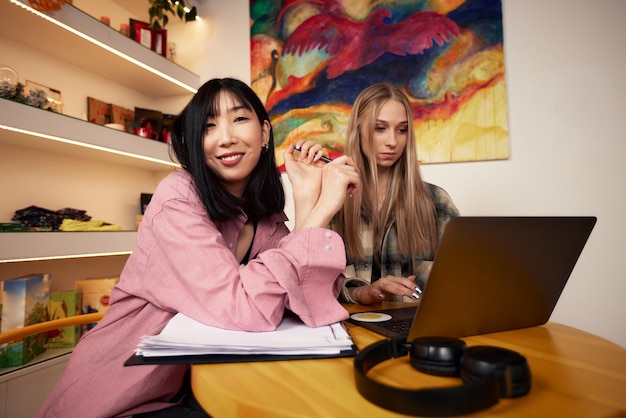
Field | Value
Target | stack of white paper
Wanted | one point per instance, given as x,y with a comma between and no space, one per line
185,336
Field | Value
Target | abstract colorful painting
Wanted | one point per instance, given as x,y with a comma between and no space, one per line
311,58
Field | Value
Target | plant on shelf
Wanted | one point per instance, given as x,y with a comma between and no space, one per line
160,8
15,92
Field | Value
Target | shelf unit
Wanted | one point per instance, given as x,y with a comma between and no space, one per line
81,41
23,389
84,41
55,355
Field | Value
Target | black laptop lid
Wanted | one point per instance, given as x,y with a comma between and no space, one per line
499,273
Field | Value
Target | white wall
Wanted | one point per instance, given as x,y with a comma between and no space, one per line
565,66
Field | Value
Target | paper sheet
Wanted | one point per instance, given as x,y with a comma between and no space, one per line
186,336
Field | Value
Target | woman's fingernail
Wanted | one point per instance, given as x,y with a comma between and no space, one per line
415,295
381,296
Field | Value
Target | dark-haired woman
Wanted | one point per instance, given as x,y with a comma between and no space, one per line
213,245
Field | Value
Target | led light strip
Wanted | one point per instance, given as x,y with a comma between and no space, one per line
63,257
105,46
91,146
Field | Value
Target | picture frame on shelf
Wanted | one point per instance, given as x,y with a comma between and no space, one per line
166,127
124,117
98,112
141,32
55,100
148,123
154,39
145,200
160,41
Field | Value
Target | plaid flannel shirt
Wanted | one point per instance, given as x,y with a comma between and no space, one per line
359,273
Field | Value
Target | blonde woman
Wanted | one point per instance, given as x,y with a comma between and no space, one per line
392,225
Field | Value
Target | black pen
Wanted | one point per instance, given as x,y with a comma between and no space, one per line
322,158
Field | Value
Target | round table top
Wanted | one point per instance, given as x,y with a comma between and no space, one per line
574,374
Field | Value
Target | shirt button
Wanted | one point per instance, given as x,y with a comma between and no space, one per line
328,234
328,247
230,245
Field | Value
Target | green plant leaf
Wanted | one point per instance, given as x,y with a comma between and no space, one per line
159,8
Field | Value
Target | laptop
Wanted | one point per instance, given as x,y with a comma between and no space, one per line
490,274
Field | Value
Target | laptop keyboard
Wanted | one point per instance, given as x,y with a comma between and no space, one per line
398,326
401,326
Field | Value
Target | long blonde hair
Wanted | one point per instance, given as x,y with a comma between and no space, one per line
408,202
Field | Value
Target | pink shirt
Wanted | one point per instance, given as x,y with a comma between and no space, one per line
184,262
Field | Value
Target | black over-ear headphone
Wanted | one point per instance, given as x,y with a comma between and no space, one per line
488,373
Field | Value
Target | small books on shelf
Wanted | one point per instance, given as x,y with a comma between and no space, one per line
185,340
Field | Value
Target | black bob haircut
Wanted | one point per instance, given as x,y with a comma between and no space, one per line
264,194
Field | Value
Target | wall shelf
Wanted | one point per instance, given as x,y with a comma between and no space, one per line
30,246
103,50
31,127
50,356
26,387
78,42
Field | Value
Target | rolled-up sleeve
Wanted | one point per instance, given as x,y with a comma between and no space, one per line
317,256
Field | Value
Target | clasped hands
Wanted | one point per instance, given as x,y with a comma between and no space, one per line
319,188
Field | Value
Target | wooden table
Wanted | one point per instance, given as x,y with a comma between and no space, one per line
574,374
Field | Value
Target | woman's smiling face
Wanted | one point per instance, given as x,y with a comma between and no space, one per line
233,142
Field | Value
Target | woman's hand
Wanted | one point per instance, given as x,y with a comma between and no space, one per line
340,179
319,189
385,288
303,169
305,176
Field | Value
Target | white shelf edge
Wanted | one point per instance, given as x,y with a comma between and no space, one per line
27,126
48,358
104,51
30,246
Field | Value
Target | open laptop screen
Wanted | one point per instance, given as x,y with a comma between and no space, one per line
494,274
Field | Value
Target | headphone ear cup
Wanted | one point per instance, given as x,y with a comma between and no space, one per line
509,367
437,355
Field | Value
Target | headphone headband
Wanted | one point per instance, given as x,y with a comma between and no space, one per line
476,393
